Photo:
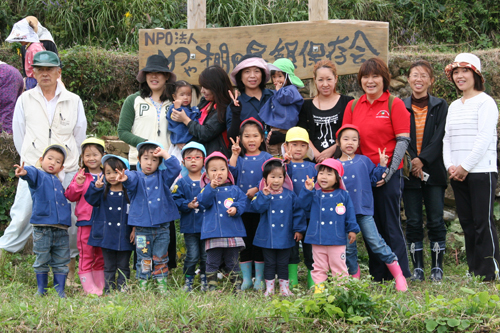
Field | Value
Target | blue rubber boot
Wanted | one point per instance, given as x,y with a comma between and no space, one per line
188,284
42,279
259,276
59,283
246,271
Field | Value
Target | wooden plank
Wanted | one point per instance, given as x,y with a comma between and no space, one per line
318,10
196,14
348,43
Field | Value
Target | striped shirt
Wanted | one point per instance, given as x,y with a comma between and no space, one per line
470,138
420,115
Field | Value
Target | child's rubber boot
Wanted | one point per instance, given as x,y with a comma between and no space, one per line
143,284
269,288
437,255
42,279
357,275
293,275
285,288
212,281
395,270
59,284
310,281
319,288
188,284
204,282
71,274
162,284
259,276
246,272
88,284
99,280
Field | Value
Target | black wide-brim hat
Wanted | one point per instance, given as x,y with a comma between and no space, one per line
156,63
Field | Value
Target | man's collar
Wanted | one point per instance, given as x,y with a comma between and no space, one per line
59,89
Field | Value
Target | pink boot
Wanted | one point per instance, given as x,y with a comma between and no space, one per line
269,288
284,288
395,270
357,275
99,279
88,284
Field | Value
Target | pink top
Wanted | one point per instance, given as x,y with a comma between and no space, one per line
76,192
32,49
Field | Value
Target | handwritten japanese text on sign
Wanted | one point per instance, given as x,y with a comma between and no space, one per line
347,43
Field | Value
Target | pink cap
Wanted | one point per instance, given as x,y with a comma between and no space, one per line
204,178
336,165
286,184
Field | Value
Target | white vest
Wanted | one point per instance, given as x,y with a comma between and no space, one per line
40,133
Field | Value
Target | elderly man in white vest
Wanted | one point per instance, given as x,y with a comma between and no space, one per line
44,115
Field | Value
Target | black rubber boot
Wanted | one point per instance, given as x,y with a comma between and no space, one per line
417,258
437,253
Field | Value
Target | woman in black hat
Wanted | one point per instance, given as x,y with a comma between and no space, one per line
144,117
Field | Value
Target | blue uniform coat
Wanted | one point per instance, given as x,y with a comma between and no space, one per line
110,229
179,131
216,222
298,173
360,174
151,202
50,206
185,190
283,108
280,218
332,216
248,173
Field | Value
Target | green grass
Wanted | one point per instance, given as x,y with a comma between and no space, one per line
374,307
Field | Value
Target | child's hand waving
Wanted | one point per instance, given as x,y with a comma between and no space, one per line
20,171
231,211
194,204
309,183
383,157
80,177
99,183
122,177
236,146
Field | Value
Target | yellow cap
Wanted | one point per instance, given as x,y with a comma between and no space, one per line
94,141
297,134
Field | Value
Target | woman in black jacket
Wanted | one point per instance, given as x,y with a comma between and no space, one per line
428,178
210,129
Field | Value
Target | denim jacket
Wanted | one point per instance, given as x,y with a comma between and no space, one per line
298,173
50,206
332,216
179,131
280,218
185,190
216,222
282,109
151,202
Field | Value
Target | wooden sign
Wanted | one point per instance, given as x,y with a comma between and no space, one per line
347,43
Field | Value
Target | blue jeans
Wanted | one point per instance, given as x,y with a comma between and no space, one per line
51,246
152,251
372,239
195,250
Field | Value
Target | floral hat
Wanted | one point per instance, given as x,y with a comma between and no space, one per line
467,60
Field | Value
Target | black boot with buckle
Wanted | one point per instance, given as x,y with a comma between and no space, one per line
417,258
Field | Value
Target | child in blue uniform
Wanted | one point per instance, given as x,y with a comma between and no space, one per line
182,94
332,216
281,111
110,230
185,193
246,166
152,209
360,174
51,218
296,149
281,223
222,229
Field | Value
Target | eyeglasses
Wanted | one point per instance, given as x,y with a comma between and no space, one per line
419,76
193,158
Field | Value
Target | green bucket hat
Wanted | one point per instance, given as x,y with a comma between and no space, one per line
286,66
46,59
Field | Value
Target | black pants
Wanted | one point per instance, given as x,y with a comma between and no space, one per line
308,253
251,252
474,198
387,215
276,262
116,262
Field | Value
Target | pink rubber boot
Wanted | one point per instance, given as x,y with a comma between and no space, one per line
269,288
357,275
99,280
88,284
285,288
395,270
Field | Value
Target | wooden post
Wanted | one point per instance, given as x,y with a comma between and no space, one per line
318,10
196,14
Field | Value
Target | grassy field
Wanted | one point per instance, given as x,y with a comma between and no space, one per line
458,304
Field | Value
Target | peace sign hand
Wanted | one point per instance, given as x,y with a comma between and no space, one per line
20,171
194,204
99,183
236,146
383,157
122,177
309,183
288,154
80,177
266,190
234,97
